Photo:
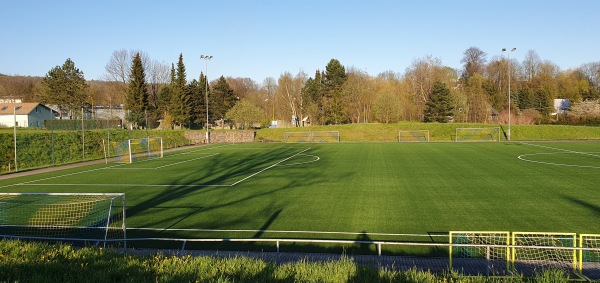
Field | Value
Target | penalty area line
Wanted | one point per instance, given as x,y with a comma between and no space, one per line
560,149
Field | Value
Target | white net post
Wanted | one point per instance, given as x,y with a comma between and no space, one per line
130,151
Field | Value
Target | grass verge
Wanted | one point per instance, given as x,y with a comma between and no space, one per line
42,262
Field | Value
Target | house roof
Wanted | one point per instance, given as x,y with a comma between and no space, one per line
21,108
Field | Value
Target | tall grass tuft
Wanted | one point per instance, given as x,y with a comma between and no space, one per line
40,262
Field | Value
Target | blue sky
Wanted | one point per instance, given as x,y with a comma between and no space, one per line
259,39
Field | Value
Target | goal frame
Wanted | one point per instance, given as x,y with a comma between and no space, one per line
583,247
109,216
425,132
504,245
312,137
148,151
570,236
493,130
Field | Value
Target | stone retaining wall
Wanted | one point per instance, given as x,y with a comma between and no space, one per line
197,137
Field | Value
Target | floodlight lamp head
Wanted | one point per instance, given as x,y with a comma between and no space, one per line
503,49
513,49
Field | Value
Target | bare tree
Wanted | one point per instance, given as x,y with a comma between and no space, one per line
531,64
355,93
474,60
421,75
289,94
242,87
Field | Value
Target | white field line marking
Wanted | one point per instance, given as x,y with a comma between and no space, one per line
560,149
60,176
146,185
306,162
265,169
522,157
282,231
565,151
29,183
122,185
170,164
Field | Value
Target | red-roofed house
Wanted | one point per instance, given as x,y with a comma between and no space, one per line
30,115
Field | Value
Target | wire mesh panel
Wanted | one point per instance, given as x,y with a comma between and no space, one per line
533,251
64,215
589,255
477,134
312,137
413,136
480,250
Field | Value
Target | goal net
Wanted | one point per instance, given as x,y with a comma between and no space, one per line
477,134
64,216
127,152
589,255
487,249
312,137
546,250
413,136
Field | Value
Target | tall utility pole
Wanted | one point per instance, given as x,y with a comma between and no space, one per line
512,50
206,58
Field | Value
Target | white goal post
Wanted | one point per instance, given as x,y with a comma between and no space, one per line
413,136
98,217
477,134
312,137
127,152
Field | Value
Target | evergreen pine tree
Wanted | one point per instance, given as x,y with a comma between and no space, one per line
222,98
196,94
136,102
334,79
180,99
439,105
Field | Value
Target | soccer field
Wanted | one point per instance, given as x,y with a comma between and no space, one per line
389,188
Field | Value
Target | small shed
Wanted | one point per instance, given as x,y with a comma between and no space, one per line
27,115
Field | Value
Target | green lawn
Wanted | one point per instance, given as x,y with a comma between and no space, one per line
404,188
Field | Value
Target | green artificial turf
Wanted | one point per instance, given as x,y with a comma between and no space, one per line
404,188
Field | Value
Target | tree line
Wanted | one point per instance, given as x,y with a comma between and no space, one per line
426,91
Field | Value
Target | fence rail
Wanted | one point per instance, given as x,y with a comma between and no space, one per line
485,265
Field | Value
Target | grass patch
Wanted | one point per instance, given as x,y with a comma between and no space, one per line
40,262
438,132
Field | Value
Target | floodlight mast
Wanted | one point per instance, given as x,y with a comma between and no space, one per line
512,50
206,58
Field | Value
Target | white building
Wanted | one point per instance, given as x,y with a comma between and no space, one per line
30,115
561,106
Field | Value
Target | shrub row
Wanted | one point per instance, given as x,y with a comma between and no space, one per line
35,147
